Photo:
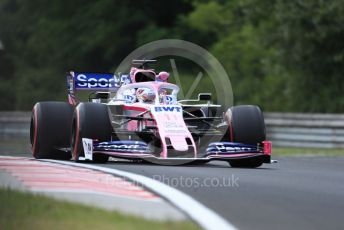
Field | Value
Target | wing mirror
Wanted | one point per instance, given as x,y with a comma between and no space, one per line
204,96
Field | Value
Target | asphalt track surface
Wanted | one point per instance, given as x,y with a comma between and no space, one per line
296,193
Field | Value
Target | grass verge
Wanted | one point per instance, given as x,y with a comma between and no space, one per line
27,211
279,151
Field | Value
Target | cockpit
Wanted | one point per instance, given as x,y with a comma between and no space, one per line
149,93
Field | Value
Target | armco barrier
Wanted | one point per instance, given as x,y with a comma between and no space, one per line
15,124
283,129
305,130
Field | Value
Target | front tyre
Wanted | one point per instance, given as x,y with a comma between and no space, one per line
247,127
246,163
91,121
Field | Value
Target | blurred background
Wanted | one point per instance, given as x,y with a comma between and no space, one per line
282,55
287,56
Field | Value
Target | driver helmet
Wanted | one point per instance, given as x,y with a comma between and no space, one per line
145,95
162,76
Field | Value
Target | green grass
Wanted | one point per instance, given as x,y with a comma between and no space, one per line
279,151
27,211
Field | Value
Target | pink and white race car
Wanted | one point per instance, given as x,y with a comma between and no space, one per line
138,116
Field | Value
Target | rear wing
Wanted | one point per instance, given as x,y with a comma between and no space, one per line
94,82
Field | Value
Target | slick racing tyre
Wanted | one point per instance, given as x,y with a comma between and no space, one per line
50,129
90,120
247,127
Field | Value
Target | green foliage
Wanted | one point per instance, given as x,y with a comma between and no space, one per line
6,79
311,35
282,55
44,39
283,151
207,17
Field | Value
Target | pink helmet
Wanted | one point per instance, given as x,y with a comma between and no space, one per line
162,76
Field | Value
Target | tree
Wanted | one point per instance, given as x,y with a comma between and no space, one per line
283,55
44,39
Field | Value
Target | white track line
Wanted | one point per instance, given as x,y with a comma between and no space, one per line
202,215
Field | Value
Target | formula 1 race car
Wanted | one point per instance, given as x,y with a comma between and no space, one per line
137,116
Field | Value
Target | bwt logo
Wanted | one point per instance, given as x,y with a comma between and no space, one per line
108,81
167,109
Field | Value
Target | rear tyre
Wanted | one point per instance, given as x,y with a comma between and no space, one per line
247,127
91,121
50,130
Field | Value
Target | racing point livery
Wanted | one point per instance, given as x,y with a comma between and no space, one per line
137,116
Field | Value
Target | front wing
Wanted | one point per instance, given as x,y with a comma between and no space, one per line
140,150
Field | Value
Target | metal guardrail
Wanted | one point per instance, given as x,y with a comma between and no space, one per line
305,130
283,129
15,124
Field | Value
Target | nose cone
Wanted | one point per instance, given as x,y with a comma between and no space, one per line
179,143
